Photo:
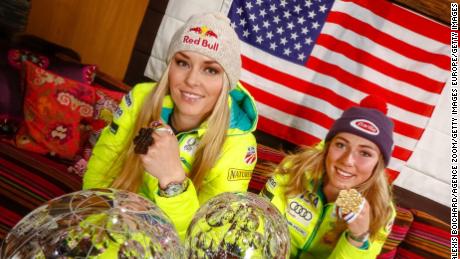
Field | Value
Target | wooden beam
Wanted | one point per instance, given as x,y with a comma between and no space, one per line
438,10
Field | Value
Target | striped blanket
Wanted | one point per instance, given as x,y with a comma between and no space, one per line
27,180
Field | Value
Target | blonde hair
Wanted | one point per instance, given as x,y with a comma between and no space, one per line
309,165
130,175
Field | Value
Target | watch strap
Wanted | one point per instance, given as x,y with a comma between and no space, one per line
361,238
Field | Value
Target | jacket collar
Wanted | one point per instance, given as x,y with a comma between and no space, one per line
243,112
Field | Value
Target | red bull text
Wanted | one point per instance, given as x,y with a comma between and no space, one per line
203,42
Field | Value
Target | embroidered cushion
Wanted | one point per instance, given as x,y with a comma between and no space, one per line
17,56
106,103
83,73
56,109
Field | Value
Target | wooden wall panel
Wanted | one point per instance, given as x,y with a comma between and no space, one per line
103,32
435,9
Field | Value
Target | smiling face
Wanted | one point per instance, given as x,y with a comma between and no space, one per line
195,83
350,161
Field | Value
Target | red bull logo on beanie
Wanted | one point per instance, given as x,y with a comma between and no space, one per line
207,38
203,31
365,126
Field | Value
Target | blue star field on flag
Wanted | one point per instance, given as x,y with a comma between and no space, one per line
287,29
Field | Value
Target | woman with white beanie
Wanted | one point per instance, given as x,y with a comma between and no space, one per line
187,138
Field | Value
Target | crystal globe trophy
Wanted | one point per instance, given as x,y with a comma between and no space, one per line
237,225
97,223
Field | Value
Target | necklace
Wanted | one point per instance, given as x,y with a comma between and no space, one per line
171,124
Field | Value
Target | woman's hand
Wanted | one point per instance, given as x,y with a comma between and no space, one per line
163,159
359,227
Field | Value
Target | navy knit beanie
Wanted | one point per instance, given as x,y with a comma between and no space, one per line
368,120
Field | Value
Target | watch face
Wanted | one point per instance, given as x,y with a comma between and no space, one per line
174,189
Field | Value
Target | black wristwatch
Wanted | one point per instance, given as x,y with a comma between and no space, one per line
173,189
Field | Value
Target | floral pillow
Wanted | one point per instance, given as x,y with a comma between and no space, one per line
55,108
17,56
105,105
79,72
83,73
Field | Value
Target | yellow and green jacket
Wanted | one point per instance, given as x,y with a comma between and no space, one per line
310,221
231,172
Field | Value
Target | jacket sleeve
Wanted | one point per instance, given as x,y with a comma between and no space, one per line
113,140
231,173
345,249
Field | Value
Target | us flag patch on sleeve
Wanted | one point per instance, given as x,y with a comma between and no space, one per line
250,156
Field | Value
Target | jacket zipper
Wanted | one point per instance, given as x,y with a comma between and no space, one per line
313,234
318,223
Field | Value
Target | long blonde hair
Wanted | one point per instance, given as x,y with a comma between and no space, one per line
309,165
130,175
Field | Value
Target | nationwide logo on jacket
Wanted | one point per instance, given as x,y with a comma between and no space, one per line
235,174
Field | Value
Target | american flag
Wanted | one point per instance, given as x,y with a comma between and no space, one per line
305,62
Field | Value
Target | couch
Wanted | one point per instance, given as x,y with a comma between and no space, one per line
30,174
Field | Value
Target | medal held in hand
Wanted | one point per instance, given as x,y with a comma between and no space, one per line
144,138
143,141
349,203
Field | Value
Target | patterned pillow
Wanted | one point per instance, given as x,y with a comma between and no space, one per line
106,103
80,72
54,108
18,56
105,106
398,232
83,73
428,237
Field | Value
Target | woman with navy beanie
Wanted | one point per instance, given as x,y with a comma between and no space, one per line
335,195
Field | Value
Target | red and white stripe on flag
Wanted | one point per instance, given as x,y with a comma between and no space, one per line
364,47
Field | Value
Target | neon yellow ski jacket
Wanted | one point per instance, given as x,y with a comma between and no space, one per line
310,224
231,172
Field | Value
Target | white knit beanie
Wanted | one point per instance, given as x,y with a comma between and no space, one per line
210,34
